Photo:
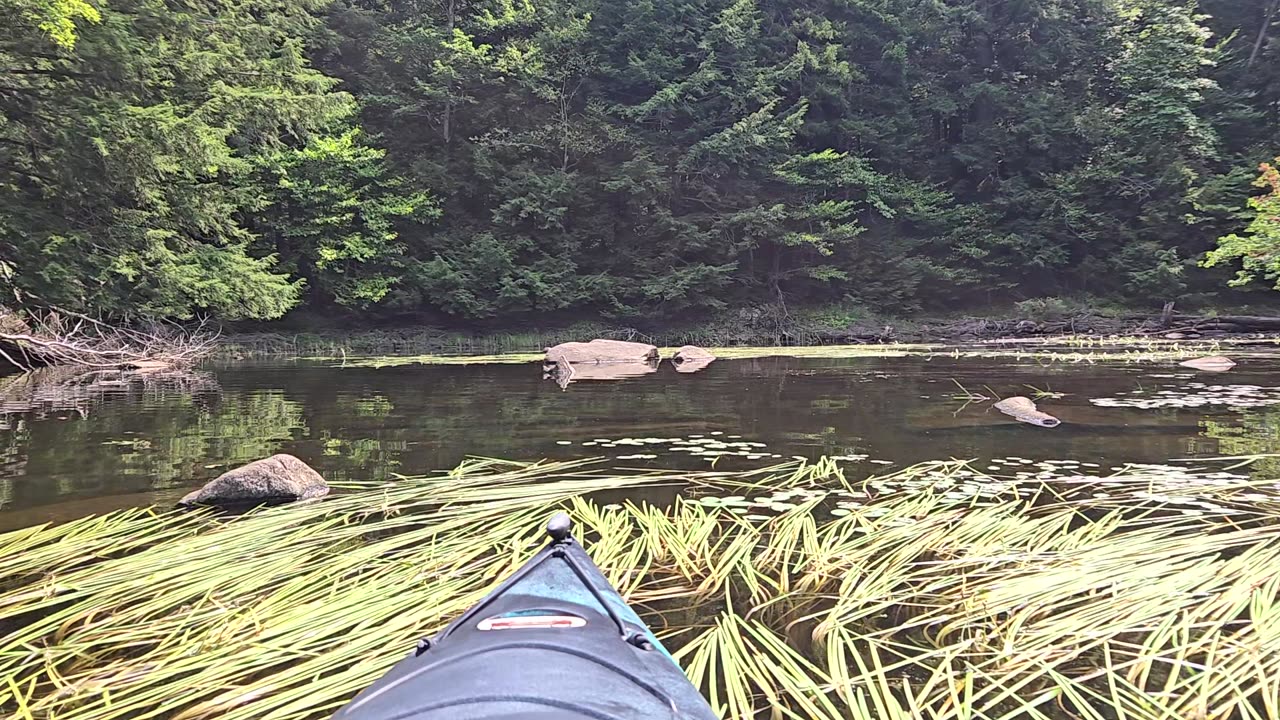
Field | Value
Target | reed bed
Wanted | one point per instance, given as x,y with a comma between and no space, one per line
913,603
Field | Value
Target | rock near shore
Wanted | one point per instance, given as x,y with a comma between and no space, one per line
277,479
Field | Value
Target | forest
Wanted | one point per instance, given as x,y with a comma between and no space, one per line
466,160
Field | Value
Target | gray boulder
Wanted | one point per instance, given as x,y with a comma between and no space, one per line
279,478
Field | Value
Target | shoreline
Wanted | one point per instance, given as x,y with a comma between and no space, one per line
996,331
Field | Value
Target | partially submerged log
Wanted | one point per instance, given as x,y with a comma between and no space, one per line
599,360
601,351
1213,363
1230,323
1024,410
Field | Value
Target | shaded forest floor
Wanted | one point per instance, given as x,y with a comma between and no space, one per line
761,326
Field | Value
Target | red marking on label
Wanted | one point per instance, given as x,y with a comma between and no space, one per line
524,622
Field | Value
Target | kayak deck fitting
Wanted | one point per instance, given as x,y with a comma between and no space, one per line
554,641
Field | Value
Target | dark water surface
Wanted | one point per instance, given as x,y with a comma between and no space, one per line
136,446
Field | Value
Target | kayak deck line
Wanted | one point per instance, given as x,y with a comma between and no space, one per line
553,641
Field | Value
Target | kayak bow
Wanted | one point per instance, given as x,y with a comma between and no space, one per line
554,641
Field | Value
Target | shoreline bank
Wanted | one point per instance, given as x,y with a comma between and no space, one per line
749,331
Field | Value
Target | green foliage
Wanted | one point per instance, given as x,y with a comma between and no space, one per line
1259,248
334,218
490,159
127,164
57,18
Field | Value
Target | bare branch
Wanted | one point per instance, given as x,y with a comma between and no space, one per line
72,339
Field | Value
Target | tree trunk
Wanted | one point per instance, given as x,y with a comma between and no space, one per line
1243,322
1262,33
451,21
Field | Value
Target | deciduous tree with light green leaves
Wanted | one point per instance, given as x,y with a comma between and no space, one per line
334,215
1258,249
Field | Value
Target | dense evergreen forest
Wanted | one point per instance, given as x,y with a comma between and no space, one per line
471,159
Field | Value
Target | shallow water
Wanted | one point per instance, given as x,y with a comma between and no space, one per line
135,446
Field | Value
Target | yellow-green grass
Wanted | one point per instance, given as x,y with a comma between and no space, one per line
911,604
1045,351
816,351
381,361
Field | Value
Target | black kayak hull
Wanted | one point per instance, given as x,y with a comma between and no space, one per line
554,641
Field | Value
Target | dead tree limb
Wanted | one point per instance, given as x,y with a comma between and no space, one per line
57,339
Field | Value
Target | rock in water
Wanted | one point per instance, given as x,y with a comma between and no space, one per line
601,351
692,352
279,478
1024,410
1213,363
691,359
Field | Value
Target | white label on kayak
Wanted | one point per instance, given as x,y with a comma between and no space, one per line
526,622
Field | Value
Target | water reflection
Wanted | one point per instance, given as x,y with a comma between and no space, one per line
65,391
364,423
565,374
693,365
1255,432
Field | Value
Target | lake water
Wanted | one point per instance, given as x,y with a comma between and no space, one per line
133,445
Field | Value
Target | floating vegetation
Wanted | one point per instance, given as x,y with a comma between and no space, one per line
1045,351
817,351
898,596
824,351
967,395
1193,395
711,446
1081,485
385,361
1045,393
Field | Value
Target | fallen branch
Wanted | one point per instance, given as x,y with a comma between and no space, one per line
58,339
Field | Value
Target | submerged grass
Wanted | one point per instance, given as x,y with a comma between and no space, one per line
908,605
